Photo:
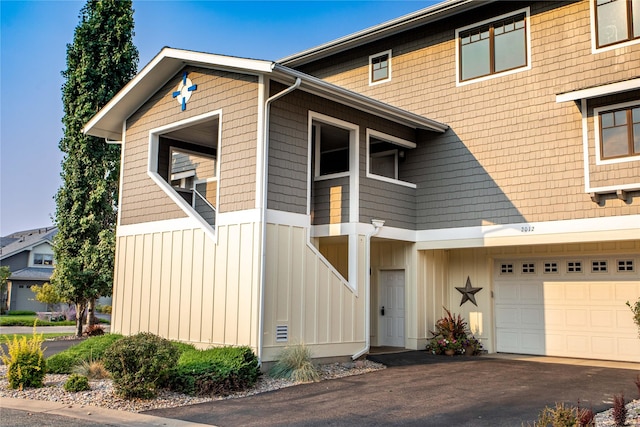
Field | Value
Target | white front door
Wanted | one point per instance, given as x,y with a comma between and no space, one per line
391,308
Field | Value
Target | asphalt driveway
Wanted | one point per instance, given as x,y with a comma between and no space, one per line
423,390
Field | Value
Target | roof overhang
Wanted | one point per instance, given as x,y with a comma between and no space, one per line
404,23
108,122
597,91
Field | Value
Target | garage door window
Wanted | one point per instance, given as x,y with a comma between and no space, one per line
528,268
625,265
574,267
506,269
550,267
598,266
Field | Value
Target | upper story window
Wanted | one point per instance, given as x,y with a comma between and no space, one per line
380,67
494,47
384,155
42,259
617,21
332,146
618,131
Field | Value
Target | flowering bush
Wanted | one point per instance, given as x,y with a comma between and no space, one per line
452,334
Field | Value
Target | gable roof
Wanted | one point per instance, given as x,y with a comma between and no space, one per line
108,122
26,240
404,23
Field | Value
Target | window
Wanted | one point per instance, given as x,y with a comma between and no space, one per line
331,149
42,259
574,267
625,265
385,153
617,21
528,268
550,267
598,266
506,269
619,132
493,47
380,67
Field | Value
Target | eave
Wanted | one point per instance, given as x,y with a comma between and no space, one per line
108,122
419,18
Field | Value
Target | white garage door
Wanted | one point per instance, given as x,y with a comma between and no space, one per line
568,307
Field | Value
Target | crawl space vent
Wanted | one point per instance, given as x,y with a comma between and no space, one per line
282,333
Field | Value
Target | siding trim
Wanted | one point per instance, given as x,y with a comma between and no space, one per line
167,225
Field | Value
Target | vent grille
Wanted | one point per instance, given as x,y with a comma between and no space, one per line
282,333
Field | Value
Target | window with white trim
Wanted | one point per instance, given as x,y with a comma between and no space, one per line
618,131
385,153
332,146
43,259
494,47
380,67
616,21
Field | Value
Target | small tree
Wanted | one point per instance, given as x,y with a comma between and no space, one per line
47,294
5,272
635,309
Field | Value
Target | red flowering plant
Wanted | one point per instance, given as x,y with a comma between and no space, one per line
452,334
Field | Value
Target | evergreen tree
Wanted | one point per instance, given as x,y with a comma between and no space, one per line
100,61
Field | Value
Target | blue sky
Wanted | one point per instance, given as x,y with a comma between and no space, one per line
33,40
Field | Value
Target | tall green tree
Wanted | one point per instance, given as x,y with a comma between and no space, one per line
100,61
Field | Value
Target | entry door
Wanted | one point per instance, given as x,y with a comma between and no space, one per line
391,308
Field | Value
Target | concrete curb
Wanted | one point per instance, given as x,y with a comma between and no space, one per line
93,414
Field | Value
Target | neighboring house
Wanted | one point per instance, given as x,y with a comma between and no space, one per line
29,256
478,156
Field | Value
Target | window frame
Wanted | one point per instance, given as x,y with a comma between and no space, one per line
44,258
401,143
595,39
317,121
492,75
372,81
597,127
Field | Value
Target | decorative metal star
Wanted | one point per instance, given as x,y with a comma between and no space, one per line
468,293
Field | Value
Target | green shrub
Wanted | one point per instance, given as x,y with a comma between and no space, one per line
139,364
77,383
294,363
219,371
90,349
21,313
26,366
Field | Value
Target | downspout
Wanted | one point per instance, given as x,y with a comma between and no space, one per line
263,213
377,225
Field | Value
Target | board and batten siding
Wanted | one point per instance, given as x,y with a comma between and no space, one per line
236,95
182,286
512,154
303,294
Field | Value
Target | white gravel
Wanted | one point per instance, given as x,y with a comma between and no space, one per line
102,394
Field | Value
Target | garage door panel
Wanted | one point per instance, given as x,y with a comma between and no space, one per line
531,317
576,318
532,342
601,292
531,293
626,292
507,317
568,314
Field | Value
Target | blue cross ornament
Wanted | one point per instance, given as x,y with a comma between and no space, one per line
185,89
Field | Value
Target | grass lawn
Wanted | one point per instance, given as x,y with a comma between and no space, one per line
47,336
27,320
